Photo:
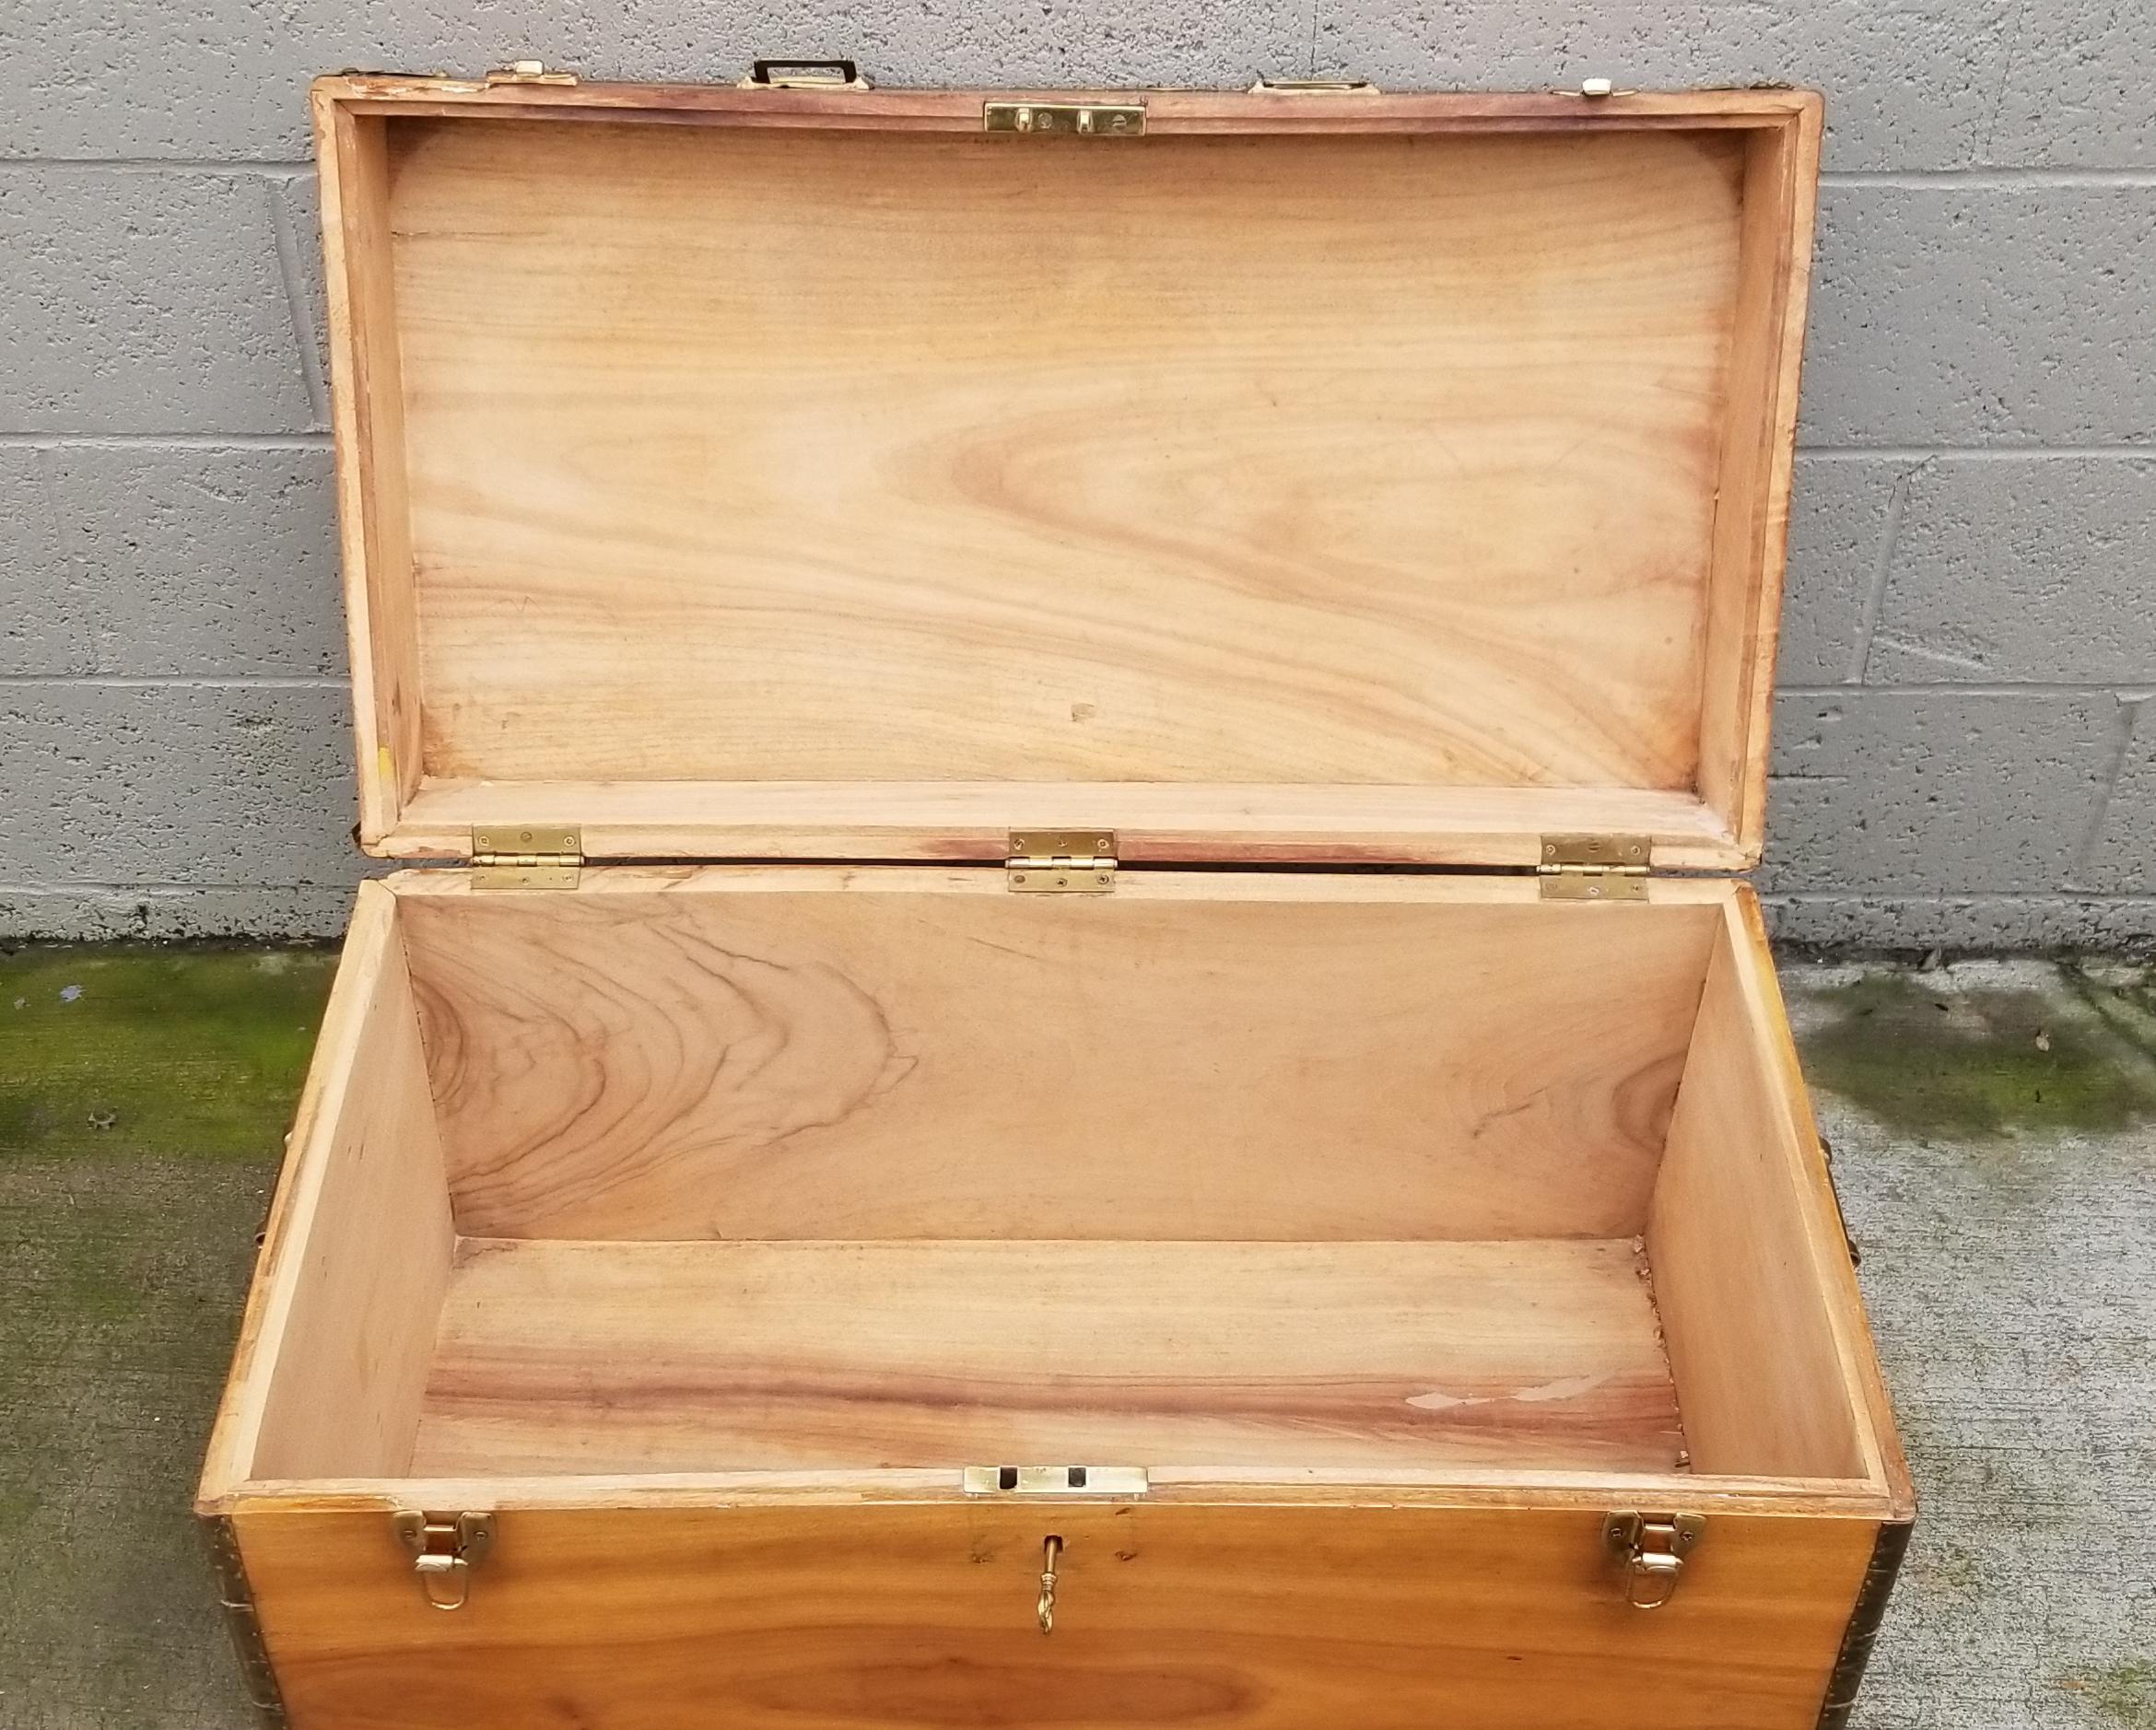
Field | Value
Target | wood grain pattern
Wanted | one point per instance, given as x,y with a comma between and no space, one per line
568,1357
1016,445
1742,1257
1160,823
340,1325
1759,451
367,396
887,1054
1233,1619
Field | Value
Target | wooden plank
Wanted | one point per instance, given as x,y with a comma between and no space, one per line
892,1054
1759,453
340,1322
593,1357
1028,454
1878,1434
1242,1619
367,404
969,424
1751,1276
903,109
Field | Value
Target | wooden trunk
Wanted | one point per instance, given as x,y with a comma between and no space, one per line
776,1293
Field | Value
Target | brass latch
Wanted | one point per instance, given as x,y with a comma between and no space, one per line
1061,862
445,1549
1084,120
530,72
1651,1547
1057,1480
527,855
1594,867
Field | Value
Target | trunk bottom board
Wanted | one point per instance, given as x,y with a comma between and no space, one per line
558,1356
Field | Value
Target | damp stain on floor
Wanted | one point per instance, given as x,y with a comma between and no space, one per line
136,1050
1986,1050
145,1094
2122,1694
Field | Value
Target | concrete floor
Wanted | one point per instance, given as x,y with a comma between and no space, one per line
1996,1128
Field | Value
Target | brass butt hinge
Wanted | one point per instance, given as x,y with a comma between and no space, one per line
527,855
1594,867
445,1549
1061,861
530,72
1080,120
240,1621
1651,1549
1057,1480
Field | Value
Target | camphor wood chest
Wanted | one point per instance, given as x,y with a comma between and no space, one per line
796,1212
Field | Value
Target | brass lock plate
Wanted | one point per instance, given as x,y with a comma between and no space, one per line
1080,120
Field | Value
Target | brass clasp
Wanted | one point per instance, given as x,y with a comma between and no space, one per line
1652,1547
445,1549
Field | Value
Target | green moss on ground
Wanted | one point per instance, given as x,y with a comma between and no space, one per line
1931,1056
129,1049
2123,1693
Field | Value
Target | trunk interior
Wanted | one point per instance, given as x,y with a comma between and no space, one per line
1264,1179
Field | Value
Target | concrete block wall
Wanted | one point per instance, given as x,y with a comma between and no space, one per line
1967,744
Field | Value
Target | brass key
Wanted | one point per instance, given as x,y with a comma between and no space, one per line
1050,1548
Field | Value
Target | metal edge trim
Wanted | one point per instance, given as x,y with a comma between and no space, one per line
236,1597
1862,1633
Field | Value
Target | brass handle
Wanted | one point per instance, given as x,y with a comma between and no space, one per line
806,74
1051,1550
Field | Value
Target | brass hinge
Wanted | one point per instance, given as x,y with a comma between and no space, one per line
237,1598
530,72
445,1549
1594,867
1651,1549
1084,120
1061,862
527,855
1057,1480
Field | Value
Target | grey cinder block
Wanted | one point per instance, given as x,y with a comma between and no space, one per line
1980,315
2040,570
2122,855
137,302
1838,520
44,615
2077,91
177,784
1934,792
216,562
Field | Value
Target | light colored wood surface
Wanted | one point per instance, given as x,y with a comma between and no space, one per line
1743,1259
876,1057
1168,112
1234,1619
1165,822
1759,450
1878,1435
581,1357
340,1324
367,398
988,464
